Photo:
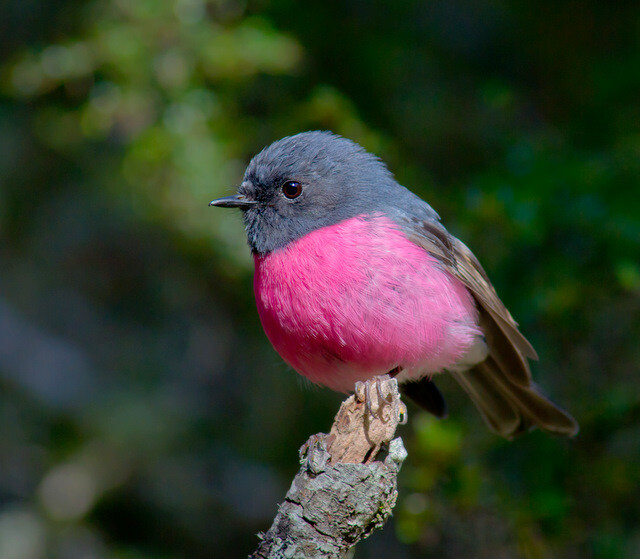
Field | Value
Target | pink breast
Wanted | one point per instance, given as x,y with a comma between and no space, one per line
357,299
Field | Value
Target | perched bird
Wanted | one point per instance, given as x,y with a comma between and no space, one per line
355,276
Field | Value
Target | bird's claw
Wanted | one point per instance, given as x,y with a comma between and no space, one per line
383,403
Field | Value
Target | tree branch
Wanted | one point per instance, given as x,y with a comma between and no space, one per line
345,488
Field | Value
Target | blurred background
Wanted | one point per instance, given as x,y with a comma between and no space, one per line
143,413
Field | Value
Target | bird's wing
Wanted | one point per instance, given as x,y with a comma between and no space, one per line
506,344
501,386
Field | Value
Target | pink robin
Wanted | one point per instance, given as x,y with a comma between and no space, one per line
356,277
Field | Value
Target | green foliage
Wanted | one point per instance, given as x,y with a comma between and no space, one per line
142,412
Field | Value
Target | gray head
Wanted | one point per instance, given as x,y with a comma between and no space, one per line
311,180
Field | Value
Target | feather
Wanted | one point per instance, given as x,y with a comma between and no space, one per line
500,386
425,393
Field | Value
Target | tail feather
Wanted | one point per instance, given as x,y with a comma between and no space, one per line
425,393
510,408
498,413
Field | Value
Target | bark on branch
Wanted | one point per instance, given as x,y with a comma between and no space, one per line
346,486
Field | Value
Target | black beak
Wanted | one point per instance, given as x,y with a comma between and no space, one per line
235,201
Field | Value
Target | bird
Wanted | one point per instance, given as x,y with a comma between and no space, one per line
356,276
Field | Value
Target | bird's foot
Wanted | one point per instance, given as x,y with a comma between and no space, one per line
381,398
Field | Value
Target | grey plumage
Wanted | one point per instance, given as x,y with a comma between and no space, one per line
346,179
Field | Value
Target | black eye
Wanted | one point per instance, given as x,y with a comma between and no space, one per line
292,189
